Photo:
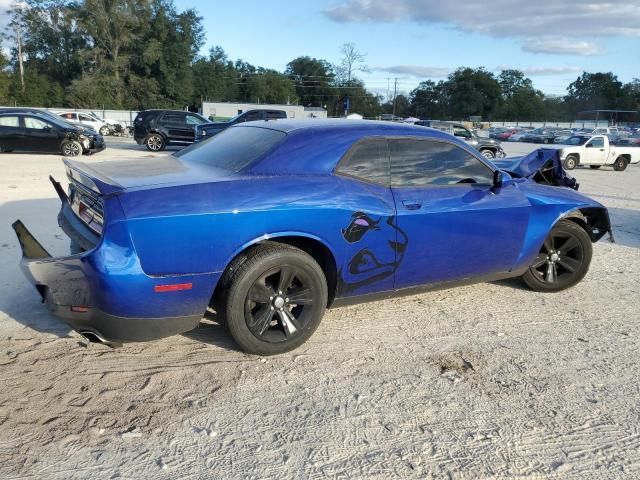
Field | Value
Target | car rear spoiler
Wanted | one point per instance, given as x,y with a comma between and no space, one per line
82,173
31,248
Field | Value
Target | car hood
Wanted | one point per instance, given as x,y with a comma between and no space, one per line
116,176
542,166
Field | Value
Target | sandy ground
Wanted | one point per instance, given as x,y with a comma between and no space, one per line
485,381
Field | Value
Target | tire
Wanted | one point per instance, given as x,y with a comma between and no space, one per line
71,148
104,131
155,142
552,271
595,167
620,164
257,300
545,141
570,162
488,154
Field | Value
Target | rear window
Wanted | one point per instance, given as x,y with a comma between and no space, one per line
233,149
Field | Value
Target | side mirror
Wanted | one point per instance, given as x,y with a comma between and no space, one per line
498,179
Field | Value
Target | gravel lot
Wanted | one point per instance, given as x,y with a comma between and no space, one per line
485,381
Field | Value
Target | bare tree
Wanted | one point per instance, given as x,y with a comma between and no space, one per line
352,61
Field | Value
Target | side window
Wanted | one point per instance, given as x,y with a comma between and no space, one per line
597,142
174,118
253,116
416,163
69,116
367,160
35,123
84,118
193,120
9,122
275,115
461,132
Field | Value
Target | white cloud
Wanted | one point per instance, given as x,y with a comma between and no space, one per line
536,71
560,45
418,71
524,19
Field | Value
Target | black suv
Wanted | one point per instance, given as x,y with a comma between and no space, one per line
157,129
488,147
207,130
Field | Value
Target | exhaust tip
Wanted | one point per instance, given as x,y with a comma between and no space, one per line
95,337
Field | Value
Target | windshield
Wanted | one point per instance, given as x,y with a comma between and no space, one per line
576,140
233,149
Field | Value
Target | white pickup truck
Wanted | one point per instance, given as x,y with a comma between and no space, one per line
596,151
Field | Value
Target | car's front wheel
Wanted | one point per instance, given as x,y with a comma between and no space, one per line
620,164
488,154
272,298
563,260
154,142
570,162
71,148
104,130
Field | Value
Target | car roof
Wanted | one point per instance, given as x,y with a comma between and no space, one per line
314,146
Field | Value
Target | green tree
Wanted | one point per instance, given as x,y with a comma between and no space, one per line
313,79
472,92
511,81
428,100
594,91
214,78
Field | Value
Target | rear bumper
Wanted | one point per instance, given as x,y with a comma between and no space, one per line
68,292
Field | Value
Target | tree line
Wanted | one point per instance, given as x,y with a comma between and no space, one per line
137,54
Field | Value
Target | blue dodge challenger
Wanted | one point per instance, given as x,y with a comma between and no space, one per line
269,223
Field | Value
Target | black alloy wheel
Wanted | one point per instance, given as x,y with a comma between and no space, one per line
272,298
278,304
563,259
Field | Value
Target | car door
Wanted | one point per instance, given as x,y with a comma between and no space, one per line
456,223
373,244
594,151
90,122
11,132
192,121
175,124
41,135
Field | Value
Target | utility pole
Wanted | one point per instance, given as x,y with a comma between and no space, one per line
395,91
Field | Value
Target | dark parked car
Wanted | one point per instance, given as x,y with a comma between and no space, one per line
34,131
158,129
489,147
545,135
207,130
270,223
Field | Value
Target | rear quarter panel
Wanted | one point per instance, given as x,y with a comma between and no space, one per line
200,228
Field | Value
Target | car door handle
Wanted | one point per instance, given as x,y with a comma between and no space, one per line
412,204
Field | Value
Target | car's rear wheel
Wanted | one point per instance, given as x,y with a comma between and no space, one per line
545,141
595,167
563,260
488,154
570,162
620,164
154,142
273,300
71,148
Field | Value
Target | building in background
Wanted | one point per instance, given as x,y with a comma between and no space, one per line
224,110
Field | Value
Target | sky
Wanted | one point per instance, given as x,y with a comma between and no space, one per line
552,42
